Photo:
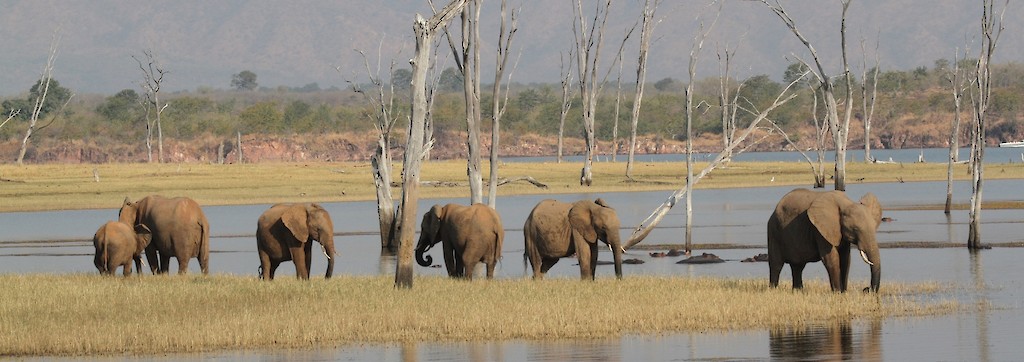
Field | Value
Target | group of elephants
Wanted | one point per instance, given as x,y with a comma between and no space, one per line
806,226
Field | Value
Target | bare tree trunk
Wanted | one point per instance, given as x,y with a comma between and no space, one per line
424,31
698,44
239,147
152,78
868,102
471,86
614,151
567,94
839,130
384,117
957,84
498,107
646,32
588,53
991,29
44,80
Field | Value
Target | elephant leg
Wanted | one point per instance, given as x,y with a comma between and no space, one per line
469,267
299,258
797,269
832,266
593,260
449,259
844,267
265,266
127,268
309,257
585,257
462,266
273,269
182,264
154,263
546,264
774,270
165,263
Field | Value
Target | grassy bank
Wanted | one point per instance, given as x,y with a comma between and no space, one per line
63,186
89,314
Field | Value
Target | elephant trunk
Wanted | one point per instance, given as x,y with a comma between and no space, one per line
328,245
422,247
869,252
616,245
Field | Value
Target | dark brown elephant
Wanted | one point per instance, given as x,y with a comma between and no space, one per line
556,230
117,245
468,235
287,231
808,226
179,229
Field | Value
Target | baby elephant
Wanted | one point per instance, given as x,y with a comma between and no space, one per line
117,245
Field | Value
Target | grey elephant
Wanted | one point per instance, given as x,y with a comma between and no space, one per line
179,229
809,226
117,245
287,231
556,230
468,235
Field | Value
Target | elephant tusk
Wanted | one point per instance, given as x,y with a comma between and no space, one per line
865,257
325,253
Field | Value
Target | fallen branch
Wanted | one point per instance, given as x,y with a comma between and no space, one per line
529,179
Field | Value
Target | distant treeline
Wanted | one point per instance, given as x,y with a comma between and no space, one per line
921,94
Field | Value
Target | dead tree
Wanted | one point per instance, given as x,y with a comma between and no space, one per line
568,93
958,84
868,100
467,61
659,213
991,29
728,106
10,115
498,106
44,82
589,40
384,116
424,30
648,23
152,78
839,128
698,44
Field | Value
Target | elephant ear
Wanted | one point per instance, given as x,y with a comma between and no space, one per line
581,222
143,236
295,220
874,207
824,214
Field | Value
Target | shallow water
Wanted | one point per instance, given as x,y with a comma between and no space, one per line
989,278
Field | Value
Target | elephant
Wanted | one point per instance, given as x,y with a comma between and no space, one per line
808,226
468,235
556,229
287,231
117,245
179,229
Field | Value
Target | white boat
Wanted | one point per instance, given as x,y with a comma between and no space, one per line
1012,144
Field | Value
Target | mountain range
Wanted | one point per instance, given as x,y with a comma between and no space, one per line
295,43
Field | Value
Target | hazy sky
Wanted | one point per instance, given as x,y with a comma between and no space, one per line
293,43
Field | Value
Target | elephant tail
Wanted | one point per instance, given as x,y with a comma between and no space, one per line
104,255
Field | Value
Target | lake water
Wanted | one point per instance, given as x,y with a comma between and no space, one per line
991,278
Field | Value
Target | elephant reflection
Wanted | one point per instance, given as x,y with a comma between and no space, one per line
839,341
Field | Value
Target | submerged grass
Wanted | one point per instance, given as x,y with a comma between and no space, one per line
90,314
66,186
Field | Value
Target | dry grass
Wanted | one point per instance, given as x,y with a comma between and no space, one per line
89,315
62,187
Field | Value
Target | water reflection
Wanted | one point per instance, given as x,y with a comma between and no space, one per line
837,341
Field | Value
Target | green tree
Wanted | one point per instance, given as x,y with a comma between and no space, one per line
56,96
402,79
665,84
262,117
123,107
793,70
244,80
451,80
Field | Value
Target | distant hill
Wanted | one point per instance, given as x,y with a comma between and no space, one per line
294,43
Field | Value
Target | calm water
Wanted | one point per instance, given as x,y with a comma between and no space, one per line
992,332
